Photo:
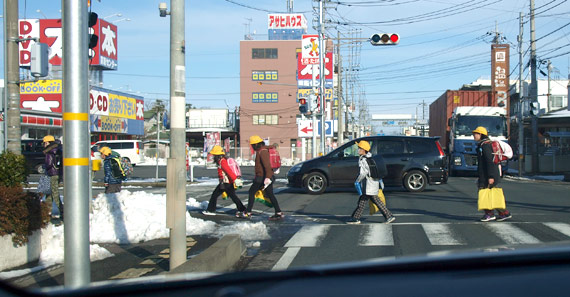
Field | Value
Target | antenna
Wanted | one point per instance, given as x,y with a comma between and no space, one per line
247,34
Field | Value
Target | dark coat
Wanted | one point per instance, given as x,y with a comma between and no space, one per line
486,168
50,161
109,178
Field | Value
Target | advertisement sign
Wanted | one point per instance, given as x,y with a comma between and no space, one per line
500,73
210,141
310,49
305,73
304,93
116,112
49,32
286,21
43,95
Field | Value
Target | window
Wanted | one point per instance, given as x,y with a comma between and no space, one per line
265,119
556,102
390,147
264,53
264,97
419,146
264,75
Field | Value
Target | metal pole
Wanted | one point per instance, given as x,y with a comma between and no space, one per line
533,92
76,143
322,51
549,70
157,144
521,97
12,75
340,139
314,117
176,188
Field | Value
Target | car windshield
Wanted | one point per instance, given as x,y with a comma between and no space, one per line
494,125
251,112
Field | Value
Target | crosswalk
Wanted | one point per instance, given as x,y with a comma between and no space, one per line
437,235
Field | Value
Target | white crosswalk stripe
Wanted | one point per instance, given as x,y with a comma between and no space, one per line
441,234
511,234
560,227
376,235
308,236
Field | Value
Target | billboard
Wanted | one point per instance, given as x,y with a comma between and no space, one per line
42,95
500,73
305,72
286,21
116,112
49,32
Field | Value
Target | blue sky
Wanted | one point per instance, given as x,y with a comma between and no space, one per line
444,44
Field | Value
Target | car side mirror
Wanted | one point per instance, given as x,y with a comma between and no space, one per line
449,122
340,155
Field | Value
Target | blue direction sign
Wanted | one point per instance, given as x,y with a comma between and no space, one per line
328,128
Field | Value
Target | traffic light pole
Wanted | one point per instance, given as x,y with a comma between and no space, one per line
13,132
76,144
533,91
521,97
322,51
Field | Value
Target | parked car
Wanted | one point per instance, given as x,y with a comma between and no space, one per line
412,162
130,149
32,150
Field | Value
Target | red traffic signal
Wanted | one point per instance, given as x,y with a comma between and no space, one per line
303,108
384,39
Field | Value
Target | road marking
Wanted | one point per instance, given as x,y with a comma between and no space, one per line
511,234
308,236
377,235
287,258
560,227
441,234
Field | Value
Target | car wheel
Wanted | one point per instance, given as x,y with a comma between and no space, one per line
315,183
415,181
40,169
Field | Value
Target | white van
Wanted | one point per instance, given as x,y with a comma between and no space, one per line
130,149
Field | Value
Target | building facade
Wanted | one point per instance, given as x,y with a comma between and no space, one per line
268,93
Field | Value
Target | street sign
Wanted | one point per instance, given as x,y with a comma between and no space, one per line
305,128
328,128
310,49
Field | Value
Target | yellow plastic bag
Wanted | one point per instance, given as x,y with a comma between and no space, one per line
262,199
491,199
373,208
224,195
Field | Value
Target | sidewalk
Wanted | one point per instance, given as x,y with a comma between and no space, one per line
129,261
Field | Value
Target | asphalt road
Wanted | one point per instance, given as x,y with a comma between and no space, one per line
441,219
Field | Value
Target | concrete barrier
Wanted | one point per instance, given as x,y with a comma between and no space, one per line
221,256
13,256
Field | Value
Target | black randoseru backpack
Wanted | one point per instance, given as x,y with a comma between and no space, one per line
374,172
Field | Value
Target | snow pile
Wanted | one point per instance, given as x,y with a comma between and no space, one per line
247,230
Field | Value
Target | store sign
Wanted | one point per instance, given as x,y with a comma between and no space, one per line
286,21
43,95
500,73
49,31
116,112
305,73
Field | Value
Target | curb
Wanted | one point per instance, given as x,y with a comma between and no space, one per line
221,256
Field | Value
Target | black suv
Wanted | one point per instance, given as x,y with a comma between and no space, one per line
32,150
412,162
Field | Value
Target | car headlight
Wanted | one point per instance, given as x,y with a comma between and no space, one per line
295,168
457,160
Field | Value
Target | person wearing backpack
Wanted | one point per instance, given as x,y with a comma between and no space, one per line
371,186
264,177
488,171
112,181
52,166
227,178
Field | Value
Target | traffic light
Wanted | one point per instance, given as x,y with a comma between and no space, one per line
534,108
384,39
93,38
303,108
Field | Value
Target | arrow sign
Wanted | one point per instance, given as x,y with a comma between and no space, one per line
306,130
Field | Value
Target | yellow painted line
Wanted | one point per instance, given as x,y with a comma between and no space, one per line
72,116
75,161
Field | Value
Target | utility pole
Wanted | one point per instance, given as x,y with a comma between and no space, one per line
77,269
322,65
549,66
176,169
157,143
521,96
533,91
13,131
340,138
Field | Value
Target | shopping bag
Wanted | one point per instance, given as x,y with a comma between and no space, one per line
491,199
381,196
373,208
262,199
358,187
44,185
224,195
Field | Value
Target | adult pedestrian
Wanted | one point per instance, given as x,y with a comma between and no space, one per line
227,179
52,166
112,181
489,173
371,186
264,177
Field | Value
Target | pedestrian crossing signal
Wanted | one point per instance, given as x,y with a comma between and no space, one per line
303,108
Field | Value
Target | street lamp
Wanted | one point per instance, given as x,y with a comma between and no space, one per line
123,19
40,12
113,15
